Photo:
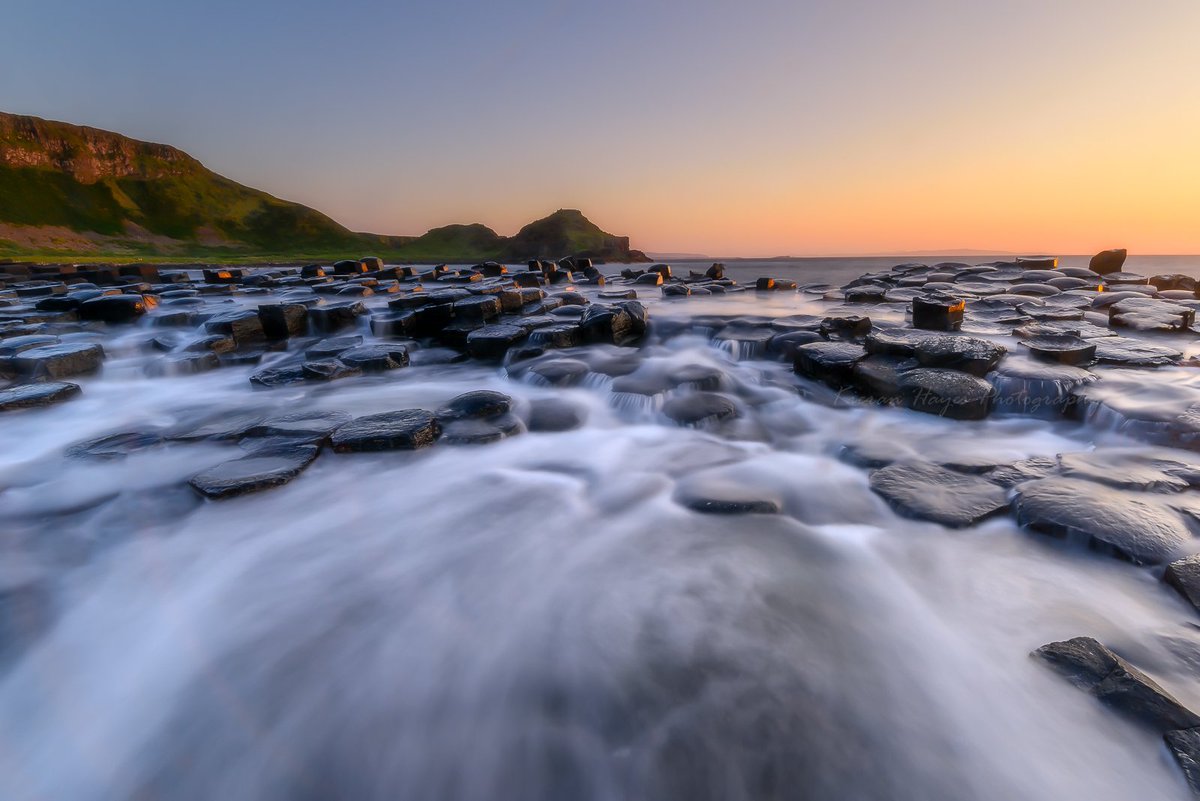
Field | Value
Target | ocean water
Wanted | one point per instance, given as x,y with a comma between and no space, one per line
544,618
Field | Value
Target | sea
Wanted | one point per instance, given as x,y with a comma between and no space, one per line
549,617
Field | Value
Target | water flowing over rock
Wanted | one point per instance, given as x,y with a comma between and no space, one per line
1141,528
929,492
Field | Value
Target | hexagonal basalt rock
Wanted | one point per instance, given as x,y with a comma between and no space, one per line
258,471
1140,527
407,429
31,395
946,393
930,492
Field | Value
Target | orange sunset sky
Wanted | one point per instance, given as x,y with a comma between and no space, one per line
758,128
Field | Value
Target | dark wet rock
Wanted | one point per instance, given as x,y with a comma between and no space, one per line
1174,281
1184,576
476,431
723,498
847,327
1184,746
565,335
1054,328
185,363
639,318
243,325
312,427
283,320
1061,349
1025,470
896,341
699,408
879,375
278,376
1037,262
335,316
258,471
115,446
829,362
226,426
947,393
930,492
349,267
618,294
783,346
937,312
15,345
1066,282
57,361
1108,261
479,403
328,370
554,414
648,279
1033,290
643,382
1148,314
375,357
1029,387
560,372
697,376
1146,469
491,342
867,293
478,307
408,429
957,352
1125,280
115,308
1095,669
608,324
768,284
33,395
334,346
1140,528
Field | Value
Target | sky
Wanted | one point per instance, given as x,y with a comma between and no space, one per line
759,127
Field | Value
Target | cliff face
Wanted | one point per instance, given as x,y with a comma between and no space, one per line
73,189
86,154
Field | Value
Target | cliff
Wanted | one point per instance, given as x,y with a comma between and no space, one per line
69,189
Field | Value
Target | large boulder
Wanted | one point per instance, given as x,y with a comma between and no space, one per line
1108,261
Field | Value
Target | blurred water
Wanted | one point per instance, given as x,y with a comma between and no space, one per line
540,619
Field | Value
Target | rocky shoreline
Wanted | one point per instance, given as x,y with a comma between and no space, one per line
961,342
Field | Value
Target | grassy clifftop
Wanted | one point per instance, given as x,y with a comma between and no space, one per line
68,190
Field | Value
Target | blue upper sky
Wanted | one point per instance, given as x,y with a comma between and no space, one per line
752,127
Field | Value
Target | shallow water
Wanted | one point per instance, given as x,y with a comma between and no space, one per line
541,618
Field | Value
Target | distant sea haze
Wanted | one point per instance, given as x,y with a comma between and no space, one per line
840,269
